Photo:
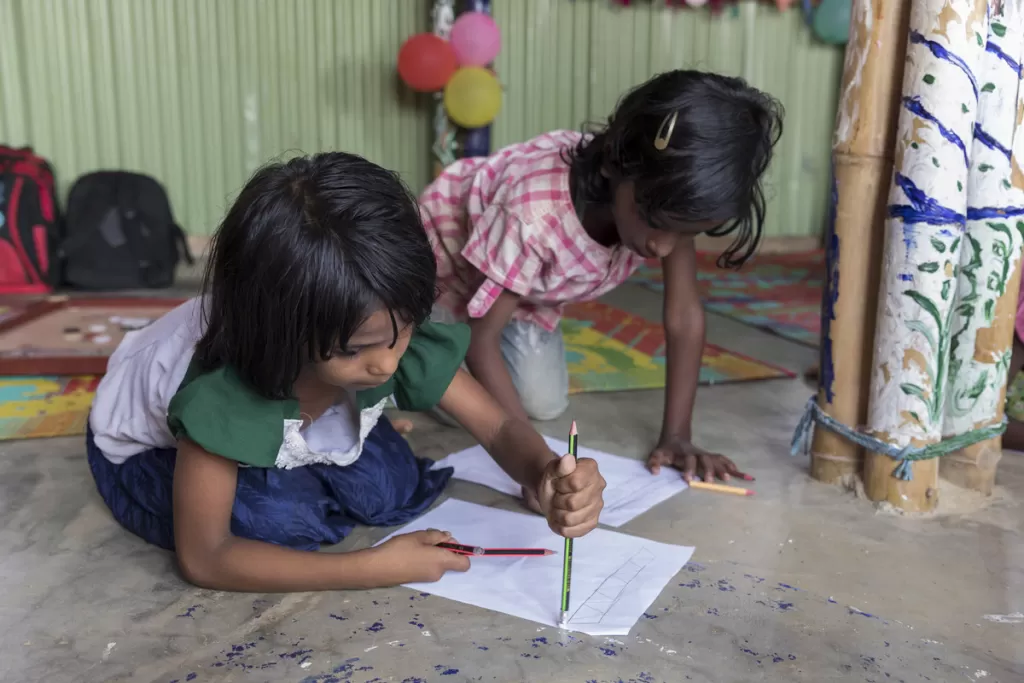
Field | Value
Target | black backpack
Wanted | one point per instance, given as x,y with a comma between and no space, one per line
121,233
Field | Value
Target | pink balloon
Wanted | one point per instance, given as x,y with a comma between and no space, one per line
475,38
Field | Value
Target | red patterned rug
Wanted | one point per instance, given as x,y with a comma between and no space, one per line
609,349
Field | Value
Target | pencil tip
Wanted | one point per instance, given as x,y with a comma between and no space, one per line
572,429
550,552
749,492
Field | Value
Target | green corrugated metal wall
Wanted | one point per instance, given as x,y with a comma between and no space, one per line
200,92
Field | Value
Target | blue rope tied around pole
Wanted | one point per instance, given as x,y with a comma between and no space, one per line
904,457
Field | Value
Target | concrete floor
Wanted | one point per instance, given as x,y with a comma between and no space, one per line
802,582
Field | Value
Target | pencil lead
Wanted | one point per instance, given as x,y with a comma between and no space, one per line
572,429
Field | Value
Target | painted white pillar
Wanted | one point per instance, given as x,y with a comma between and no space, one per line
988,282
923,234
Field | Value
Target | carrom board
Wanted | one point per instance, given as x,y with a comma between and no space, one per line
71,336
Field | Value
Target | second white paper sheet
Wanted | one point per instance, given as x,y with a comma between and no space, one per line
632,490
615,577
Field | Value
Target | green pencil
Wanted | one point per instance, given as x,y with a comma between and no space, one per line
567,555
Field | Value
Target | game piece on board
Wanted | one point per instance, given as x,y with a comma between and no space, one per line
131,324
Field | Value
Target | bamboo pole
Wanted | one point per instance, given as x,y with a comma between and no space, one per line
862,165
928,203
989,274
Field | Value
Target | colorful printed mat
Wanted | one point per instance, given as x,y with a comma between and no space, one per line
37,407
610,350
779,293
607,349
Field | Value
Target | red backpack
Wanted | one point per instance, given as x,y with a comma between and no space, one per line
29,223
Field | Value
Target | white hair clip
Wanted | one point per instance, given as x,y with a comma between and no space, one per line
665,131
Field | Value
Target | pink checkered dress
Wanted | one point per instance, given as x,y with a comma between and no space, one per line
507,222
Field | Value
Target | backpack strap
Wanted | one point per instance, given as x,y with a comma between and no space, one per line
181,239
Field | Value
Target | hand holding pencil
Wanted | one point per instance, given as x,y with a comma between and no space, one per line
570,495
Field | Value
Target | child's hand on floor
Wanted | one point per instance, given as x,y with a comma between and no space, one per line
693,461
415,558
569,496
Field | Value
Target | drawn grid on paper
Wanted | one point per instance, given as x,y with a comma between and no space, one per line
594,608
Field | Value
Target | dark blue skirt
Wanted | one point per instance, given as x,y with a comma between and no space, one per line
300,508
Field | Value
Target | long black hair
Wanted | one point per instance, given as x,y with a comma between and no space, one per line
710,170
309,250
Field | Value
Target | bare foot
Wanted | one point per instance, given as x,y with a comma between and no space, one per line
402,426
531,501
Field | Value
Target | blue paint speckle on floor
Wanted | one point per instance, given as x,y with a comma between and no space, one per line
608,652
695,583
786,587
445,671
414,680
338,617
854,610
539,641
693,567
294,655
725,586
416,624
832,600
650,616
190,677
755,579
713,611
777,605
189,612
482,647
376,627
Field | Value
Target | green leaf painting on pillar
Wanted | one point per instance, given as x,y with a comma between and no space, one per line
938,340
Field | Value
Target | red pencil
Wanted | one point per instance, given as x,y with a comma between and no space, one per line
504,552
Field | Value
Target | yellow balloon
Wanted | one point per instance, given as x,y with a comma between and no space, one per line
472,97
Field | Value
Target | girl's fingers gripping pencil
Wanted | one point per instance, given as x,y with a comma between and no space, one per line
567,560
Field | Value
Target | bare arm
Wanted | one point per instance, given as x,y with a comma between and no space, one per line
512,441
484,357
567,492
684,336
209,556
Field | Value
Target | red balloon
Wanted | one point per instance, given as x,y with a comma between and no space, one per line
426,62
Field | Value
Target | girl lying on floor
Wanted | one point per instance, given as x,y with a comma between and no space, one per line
566,217
245,427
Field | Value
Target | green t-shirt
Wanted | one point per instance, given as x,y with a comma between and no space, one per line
218,411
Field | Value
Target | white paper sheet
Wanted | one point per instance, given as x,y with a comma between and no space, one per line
615,577
632,490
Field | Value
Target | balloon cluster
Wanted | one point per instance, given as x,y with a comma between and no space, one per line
429,63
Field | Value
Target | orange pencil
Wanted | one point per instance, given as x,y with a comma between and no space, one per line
721,488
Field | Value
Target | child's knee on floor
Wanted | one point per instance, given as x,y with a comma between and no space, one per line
536,363
542,407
